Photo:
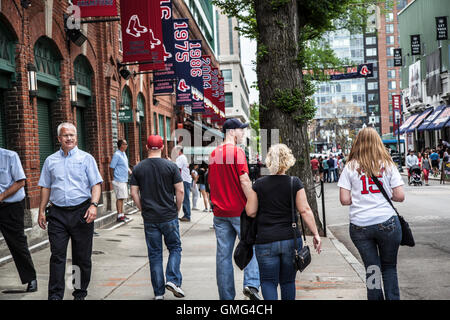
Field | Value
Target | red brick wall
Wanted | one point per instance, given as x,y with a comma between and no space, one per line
102,52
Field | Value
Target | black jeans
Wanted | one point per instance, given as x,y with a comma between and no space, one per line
12,228
64,225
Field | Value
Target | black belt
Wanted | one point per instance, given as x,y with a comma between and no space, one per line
72,208
7,204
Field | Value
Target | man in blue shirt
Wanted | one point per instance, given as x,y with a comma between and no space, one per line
71,181
12,193
120,170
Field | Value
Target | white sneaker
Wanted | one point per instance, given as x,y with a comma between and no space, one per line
158,298
177,292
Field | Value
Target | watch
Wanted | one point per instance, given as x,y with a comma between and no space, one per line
95,204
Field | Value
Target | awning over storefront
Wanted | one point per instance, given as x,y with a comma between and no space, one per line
416,123
443,120
426,123
407,123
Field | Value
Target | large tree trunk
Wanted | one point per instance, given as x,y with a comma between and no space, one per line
278,47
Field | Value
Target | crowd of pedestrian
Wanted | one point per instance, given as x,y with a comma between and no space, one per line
327,168
160,188
433,161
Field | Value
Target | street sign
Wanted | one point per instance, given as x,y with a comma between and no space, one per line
125,116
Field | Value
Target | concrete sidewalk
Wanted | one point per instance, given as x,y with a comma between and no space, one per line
121,268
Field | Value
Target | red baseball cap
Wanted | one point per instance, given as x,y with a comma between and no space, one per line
155,142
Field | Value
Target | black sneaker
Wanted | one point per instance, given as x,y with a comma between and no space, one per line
252,293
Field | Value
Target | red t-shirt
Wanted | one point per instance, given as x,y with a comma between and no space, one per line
226,164
314,164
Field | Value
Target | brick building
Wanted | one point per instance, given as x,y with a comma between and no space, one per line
28,120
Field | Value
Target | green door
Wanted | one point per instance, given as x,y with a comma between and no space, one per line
82,104
46,146
81,129
2,122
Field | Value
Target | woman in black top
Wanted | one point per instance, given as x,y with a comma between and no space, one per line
202,185
270,202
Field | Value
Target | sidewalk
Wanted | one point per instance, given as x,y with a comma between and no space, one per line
121,268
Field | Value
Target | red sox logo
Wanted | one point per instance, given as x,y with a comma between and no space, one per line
364,71
182,86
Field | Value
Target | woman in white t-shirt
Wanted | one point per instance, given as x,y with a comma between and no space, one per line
374,226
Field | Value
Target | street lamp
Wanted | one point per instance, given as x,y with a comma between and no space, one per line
32,79
73,92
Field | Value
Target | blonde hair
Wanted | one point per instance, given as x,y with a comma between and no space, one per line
279,158
368,153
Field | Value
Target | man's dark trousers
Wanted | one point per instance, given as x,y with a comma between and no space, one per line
12,228
62,225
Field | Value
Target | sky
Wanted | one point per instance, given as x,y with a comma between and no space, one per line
248,56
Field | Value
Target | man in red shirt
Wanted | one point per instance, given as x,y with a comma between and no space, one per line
315,168
229,186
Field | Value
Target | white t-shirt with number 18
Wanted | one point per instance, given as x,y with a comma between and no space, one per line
369,206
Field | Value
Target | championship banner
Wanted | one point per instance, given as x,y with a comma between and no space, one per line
164,79
157,38
141,32
96,8
441,28
195,54
398,59
221,99
182,61
396,111
207,87
215,93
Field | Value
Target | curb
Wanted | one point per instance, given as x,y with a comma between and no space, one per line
348,256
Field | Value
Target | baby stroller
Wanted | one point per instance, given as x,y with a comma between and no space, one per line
416,176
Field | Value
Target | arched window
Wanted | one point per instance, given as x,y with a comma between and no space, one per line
7,70
83,76
126,107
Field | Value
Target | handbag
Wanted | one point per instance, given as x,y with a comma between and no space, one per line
407,236
302,258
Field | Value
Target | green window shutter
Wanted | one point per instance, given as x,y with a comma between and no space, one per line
168,133
161,126
81,129
2,123
45,131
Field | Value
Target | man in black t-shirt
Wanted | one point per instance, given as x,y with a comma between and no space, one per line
154,184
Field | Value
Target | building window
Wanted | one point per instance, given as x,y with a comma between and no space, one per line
161,126
389,28
391,74
155,123
371,41
372,85
401,4
390,40
120,41
374,108
390,107
228,99
390,118
392,85
168,131
372,96
389,17
390,51
230,35
390,63
371,52
227,75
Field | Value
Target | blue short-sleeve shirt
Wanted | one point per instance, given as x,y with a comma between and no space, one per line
11,171
70,177
119,163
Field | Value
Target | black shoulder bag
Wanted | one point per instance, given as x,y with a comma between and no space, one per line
302,258
407,236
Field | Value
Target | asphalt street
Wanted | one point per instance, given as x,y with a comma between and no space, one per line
424,270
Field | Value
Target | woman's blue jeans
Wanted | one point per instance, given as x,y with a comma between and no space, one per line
378,246
276,266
